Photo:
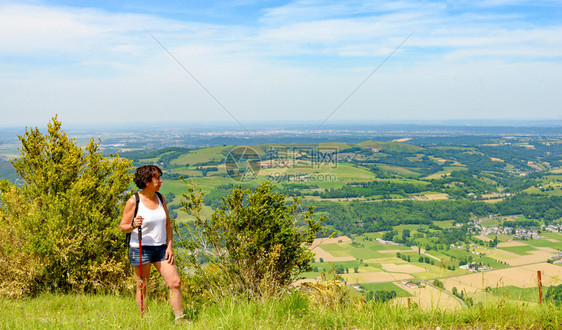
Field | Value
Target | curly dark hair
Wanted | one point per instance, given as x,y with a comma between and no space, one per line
144,174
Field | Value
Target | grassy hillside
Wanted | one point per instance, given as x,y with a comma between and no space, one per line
294,311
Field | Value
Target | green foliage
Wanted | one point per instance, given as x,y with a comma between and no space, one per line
61,227
255,244
535,207
373,188
554,295
380,296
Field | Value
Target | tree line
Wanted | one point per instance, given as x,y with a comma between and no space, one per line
360,217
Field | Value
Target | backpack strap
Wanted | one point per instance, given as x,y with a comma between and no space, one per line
137,200
128,235
159,197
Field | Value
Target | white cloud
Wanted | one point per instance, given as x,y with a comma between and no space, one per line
299,62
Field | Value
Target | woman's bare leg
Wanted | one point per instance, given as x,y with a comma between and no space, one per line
170,274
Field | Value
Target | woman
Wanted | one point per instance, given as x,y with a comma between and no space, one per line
157,236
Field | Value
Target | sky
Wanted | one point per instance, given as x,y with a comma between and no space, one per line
244,61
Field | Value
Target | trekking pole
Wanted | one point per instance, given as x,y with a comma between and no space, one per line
140,274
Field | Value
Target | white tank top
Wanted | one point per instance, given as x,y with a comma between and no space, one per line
153,226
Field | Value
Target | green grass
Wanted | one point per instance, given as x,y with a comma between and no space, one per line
490,261
346,249
515,293
399,170
556,236
439,254
294,311
349,173
390,247
520,250
444,224
199,156
450,169
543,243
537,191
458,253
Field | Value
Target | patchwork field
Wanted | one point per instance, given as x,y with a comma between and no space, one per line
522,276
517,259
514,265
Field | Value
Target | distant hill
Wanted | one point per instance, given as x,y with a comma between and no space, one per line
390,146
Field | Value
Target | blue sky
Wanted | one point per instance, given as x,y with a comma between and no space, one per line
96,61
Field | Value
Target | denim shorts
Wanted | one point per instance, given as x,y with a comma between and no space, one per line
150,254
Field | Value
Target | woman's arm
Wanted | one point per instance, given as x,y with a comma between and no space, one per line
128,214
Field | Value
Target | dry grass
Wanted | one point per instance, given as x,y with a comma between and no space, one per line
431,197
404,268
533,257
483,238
332,240
507,244
430,298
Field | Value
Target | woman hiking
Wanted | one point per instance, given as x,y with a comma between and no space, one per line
157,236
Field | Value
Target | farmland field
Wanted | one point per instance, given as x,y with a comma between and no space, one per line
383,268
199,156
523,250
522,277
346,249
399,170
547,243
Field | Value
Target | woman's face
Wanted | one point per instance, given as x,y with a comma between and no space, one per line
155,183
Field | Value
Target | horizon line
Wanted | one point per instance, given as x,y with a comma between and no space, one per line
483,122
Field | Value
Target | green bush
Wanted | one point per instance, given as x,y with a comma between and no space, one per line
256,244
59,231
554,295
